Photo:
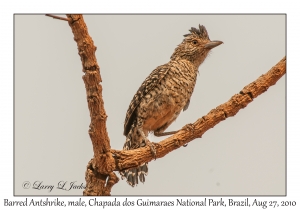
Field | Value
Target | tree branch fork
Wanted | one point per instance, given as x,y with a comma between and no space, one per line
99,176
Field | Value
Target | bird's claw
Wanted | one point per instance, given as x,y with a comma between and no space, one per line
152,148
156,144
189,127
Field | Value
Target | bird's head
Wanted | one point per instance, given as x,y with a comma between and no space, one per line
195,46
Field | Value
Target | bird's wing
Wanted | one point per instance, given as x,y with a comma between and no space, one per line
150,83
186,106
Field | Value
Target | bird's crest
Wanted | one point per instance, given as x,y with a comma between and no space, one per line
201,32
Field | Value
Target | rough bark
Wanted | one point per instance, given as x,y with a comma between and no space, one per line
103,163
107,160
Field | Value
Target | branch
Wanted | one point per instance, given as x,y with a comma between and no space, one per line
57,17
107,160
133,158
101,166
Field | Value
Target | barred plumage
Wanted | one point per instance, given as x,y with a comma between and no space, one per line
162,96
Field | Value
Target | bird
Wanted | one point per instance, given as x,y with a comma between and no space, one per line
162,96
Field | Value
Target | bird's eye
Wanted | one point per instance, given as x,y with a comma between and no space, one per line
195,42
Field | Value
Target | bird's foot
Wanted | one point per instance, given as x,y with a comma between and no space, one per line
157,144
149,143
152,146
189,127
158,134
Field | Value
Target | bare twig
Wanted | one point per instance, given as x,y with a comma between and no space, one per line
57,17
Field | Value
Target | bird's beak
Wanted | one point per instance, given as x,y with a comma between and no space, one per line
213,44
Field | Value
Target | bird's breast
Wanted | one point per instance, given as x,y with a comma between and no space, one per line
162,105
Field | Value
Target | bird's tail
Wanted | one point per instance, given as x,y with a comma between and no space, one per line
134,174
134,141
